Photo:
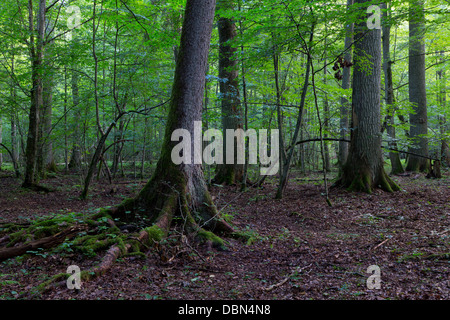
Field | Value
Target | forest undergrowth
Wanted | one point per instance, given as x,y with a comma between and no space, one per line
294,248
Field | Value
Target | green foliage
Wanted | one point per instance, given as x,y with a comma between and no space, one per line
132,70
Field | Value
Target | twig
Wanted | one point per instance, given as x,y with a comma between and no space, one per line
382,243
279,284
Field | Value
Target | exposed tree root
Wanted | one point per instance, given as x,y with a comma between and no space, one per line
108,260
387,184
364,181
36,188
158,207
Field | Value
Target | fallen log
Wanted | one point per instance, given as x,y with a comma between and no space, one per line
44,243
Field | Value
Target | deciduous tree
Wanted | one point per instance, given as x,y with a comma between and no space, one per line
363,170
180,190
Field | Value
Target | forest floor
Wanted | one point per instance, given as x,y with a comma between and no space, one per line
301,248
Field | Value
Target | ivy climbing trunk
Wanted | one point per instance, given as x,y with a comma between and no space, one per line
363,170
228,173
180,189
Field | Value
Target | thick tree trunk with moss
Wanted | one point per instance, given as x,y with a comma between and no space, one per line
228,173
418,119
364,169
180,190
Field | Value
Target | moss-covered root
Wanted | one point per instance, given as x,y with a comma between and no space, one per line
207,216
227,174
387,184
124,211
363,182
57,280
211,239
146,238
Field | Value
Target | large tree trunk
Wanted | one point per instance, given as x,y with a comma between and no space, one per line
364,169
443,124
417,89
45,159
37,54
346,84
228,173
326,115
13,114
344,122
180,189
1,140
396,164
49,158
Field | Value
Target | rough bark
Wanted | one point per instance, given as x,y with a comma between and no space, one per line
36,46
346,84
180,190
244,102
228,173
445,146
394,157
46,159
363,170
417,88
443,124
